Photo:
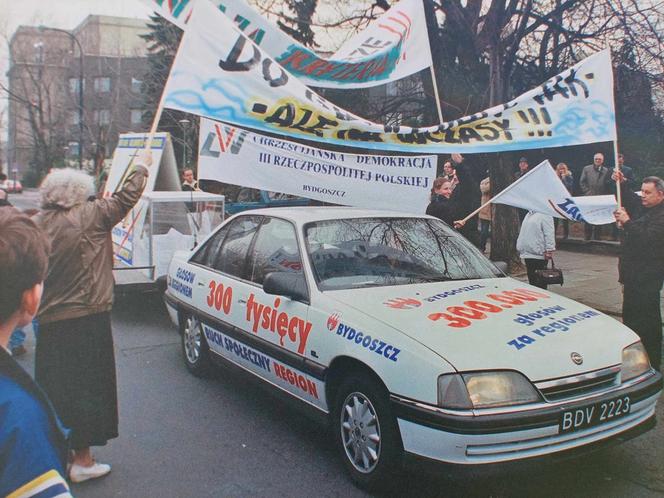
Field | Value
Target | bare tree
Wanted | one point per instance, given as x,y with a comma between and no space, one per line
3,158
33,95
486,52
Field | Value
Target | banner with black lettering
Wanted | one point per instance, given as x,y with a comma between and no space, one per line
541,190
232,155
221,74
393,46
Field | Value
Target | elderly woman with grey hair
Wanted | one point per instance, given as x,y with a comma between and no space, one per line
75,363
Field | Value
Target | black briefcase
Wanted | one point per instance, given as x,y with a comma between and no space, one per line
549,276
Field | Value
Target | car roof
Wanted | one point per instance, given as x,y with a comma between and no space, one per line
306,214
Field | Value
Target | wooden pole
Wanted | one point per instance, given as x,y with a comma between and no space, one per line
435,93
617,168
477,210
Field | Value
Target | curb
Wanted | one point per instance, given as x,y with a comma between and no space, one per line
604,247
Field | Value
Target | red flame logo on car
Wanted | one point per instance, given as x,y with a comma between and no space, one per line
403,303
333,321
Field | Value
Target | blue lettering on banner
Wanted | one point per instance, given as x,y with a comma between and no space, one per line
238,349
570,210
561,325
366,341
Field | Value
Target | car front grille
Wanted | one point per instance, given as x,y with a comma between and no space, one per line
579,385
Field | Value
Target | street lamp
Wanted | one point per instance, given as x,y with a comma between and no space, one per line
185,124
80,89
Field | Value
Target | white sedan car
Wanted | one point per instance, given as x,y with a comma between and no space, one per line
407,339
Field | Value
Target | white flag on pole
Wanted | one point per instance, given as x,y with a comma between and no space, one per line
541,190
393,46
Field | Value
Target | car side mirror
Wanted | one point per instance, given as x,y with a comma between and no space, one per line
292,285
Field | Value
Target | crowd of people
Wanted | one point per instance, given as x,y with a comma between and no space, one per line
57,266
639,226
60,262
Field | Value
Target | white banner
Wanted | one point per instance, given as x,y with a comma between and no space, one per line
221,74
239,157
392,47
541,190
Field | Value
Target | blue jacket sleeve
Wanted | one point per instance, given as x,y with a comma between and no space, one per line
29,462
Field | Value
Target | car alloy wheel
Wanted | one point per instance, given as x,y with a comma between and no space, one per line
360,432
194,346
366,432
192,339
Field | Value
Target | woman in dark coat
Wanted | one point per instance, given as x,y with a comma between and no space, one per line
74,361
443,206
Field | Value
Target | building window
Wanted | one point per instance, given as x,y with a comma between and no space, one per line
102,84
74,84
136,85
102,116
136,116
74,118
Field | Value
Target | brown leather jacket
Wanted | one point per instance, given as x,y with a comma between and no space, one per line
80,274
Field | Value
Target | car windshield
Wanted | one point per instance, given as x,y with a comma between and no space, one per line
371,252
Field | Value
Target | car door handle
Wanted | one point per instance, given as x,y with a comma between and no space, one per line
202,284
242,301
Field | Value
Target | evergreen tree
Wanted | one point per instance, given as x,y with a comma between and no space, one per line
163,40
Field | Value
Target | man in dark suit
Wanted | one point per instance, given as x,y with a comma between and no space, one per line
594,181
642,262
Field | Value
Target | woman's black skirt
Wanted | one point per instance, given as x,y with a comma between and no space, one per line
75,365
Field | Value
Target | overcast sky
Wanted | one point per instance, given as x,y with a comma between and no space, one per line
65,14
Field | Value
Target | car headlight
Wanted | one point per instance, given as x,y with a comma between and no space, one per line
634,361
485,390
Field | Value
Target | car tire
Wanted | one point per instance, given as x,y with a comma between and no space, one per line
366,433
195,349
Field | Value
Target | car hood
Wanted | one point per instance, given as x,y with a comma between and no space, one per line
493,324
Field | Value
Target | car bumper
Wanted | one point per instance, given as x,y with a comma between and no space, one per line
476,438
171,308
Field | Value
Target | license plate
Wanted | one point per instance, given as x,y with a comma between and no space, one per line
591,415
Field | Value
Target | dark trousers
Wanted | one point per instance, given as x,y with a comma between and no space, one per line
642,314
485,233
531,266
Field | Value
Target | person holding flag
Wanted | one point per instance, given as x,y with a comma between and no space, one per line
74,360
641,265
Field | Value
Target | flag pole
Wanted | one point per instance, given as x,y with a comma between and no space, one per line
162,99
615,139
509,187
617,168
435,93
479,209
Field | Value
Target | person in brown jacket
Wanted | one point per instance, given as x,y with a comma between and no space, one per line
75,363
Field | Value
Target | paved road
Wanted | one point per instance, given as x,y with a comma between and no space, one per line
227,436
